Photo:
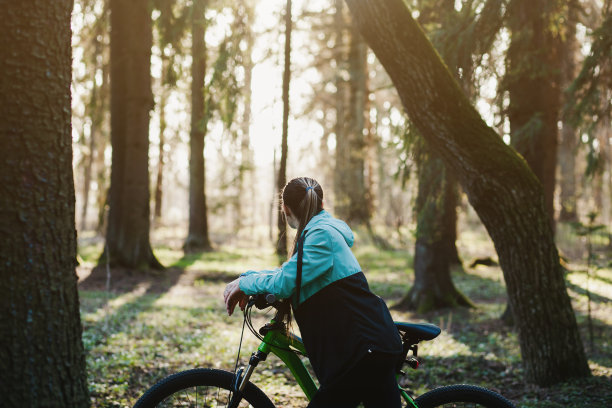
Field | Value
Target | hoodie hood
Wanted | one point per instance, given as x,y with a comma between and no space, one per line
324,220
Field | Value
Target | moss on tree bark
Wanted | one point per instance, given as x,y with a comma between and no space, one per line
500,186
435,251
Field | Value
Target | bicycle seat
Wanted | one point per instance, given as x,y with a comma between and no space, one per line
417,332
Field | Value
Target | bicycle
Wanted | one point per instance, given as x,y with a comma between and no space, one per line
220,388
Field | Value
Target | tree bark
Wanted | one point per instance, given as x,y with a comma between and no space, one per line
87,164
101,145
246,170
340,100
163,98
197,238
281,246
533,82
435,249
127,236
42,357
355,183
96,110
569,135
500,186
350,192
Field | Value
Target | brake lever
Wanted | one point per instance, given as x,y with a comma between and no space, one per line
263,301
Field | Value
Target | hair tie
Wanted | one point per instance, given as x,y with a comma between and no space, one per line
309,188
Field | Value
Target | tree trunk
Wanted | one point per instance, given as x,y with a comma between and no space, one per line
101,145
197,239
87,164
567,162
42,357
341,201
281,246
159,181
533,82
449,218
569,136
606,146
435,249
127,236
500,186
96,110
163,98
371,144
355,182
246,170
100,115
350,192
274,202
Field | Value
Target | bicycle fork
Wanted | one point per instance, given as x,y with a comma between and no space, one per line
241,380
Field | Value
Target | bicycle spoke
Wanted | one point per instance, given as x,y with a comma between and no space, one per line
462,405
201,397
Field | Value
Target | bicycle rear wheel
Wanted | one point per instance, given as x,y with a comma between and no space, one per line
200,387
462,396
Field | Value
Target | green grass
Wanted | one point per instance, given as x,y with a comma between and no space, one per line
137,336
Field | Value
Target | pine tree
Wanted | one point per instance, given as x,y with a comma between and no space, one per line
42,357
127,236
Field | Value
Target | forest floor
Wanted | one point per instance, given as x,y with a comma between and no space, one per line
144,326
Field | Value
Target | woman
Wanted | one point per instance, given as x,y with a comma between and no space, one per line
348,332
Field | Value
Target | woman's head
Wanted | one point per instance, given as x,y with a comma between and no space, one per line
302,199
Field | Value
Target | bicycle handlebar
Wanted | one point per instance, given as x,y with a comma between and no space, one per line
263,301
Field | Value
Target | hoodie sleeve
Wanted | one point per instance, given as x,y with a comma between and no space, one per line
316,261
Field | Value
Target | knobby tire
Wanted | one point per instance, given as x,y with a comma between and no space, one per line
173,391
461,396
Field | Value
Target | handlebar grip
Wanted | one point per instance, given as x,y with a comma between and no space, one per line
263,301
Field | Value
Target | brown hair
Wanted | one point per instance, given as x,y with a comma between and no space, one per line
304,197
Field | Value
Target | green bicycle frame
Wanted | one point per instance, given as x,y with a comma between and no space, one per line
279,343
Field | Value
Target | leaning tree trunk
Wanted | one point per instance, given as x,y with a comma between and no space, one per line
500,186
197,238
434,250
41,358
281,246
127,236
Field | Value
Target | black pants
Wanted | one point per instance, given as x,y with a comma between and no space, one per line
372,381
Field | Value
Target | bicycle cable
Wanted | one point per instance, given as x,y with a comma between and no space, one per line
247,314
240,344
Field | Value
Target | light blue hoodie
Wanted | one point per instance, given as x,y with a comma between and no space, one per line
327,258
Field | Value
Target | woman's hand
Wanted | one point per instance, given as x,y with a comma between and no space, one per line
233,295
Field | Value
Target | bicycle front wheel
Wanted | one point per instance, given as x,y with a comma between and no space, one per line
200,387
462,396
